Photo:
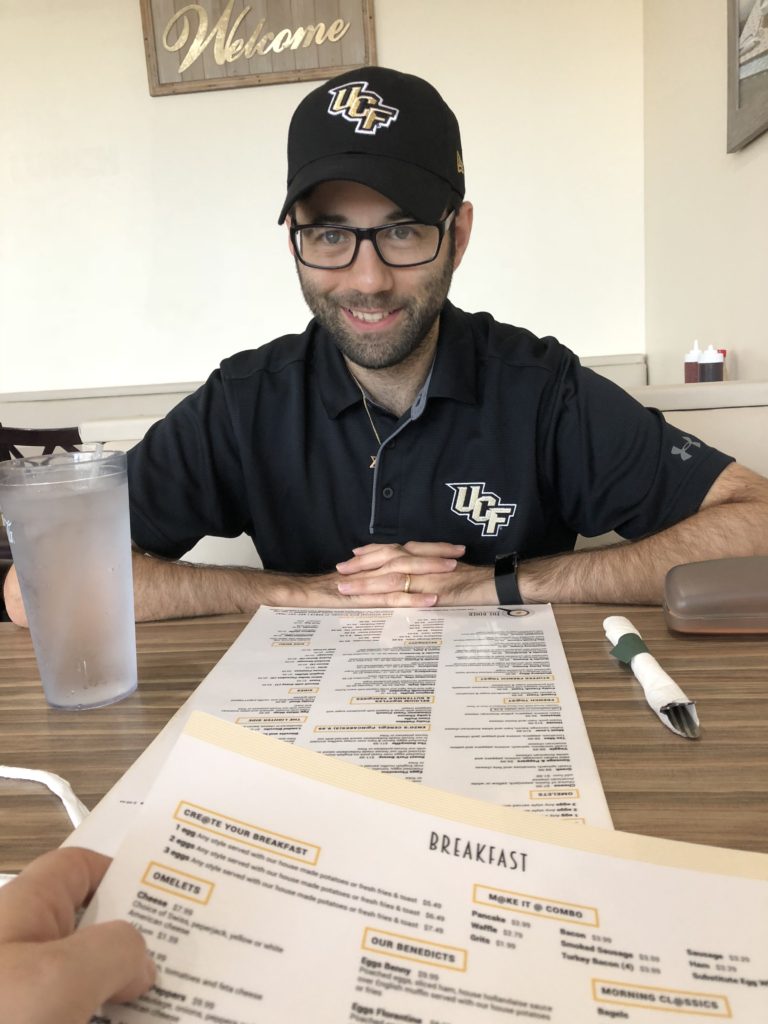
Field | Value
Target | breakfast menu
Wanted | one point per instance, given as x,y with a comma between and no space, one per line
273,884
478,701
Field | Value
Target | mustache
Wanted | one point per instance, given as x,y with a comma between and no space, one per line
381,300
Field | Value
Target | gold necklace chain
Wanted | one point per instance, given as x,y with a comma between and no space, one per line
370,419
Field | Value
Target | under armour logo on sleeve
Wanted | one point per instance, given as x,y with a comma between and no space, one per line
683,452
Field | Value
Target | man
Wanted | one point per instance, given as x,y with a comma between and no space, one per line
50,974
391,453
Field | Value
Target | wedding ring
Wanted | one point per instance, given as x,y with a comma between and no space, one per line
407,584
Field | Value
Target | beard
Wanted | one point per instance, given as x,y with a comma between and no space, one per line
418,315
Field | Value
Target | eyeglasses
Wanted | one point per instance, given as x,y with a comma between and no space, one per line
333,247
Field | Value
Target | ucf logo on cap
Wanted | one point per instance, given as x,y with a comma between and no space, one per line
359,105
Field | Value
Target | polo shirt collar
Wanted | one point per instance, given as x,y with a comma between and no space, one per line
453,374
329,371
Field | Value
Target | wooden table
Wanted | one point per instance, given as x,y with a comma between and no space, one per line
714,790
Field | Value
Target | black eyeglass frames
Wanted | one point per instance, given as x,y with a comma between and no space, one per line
402,244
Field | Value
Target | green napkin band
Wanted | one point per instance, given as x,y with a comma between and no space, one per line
628,646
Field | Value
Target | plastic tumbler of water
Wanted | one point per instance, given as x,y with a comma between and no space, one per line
67,521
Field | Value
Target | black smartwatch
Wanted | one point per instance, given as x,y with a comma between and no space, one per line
505,578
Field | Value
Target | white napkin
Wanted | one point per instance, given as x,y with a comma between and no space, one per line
76,810
659,688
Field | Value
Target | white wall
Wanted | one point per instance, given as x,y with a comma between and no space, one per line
706,210
549,99
138,235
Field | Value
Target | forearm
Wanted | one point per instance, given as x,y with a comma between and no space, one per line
633,573
165,589
14,606
170,590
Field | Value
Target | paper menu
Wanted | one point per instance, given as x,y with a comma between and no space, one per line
476,700
276,885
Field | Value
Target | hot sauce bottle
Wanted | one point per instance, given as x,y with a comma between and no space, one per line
691,364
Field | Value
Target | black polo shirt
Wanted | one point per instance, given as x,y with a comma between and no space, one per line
512,445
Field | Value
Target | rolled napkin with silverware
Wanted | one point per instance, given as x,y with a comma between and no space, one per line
662,693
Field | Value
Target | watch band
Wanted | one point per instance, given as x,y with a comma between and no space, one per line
505,578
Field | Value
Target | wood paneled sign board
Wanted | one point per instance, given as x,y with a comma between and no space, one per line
226,44
747,71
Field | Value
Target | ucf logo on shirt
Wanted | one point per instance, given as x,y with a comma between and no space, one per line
481,507
364,108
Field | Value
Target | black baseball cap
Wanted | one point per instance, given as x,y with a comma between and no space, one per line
385,129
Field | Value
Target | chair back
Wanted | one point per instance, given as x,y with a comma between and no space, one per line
15,443
36,441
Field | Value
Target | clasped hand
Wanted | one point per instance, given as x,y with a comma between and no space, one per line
418,574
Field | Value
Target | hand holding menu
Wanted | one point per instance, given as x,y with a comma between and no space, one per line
276,885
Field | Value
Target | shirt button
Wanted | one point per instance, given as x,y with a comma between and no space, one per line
387,492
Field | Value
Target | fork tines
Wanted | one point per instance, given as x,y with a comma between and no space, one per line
683,718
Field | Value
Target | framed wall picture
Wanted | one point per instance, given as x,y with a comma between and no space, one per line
227,44
747,71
